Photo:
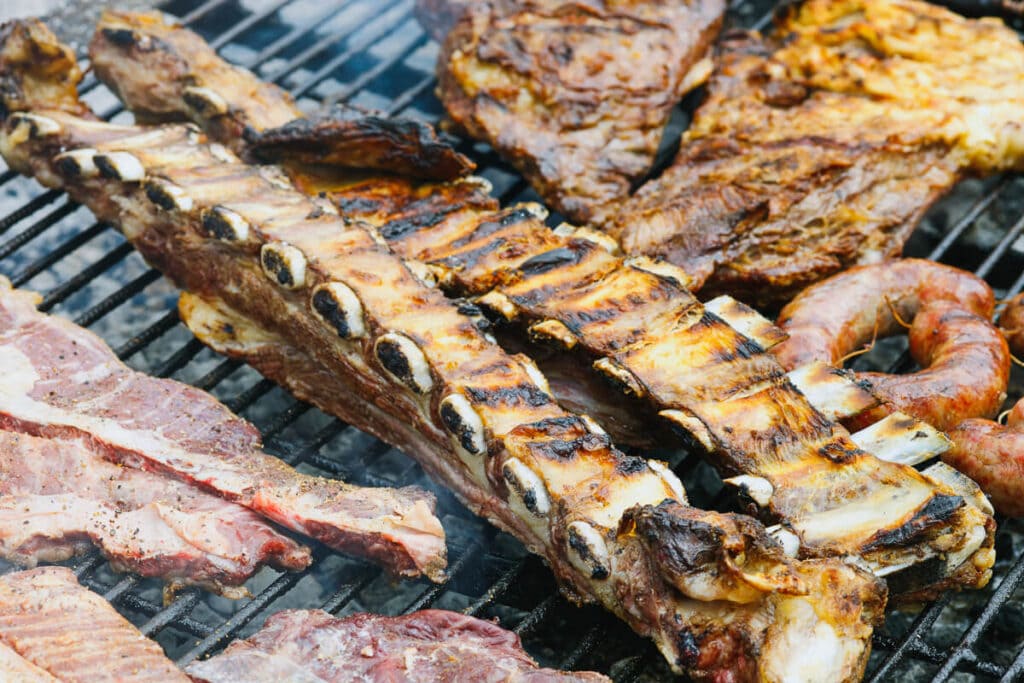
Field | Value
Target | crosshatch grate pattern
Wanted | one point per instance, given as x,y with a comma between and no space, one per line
373,53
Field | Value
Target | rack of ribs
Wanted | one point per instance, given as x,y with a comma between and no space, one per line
703,368
319,304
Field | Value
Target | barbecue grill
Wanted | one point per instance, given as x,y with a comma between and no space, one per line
373,53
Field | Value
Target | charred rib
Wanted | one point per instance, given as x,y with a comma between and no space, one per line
652,337
585,478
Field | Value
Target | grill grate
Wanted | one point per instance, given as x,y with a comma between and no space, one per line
375,54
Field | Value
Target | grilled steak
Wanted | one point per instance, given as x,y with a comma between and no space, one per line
61,380
352,138
130,46
58,498
576,95
320,304
822,145
702,367
74,635
432,645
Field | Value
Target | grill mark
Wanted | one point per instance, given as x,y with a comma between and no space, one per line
403,227
521,394
936,511
550,260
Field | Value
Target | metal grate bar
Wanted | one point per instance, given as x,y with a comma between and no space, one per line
182,606
325,42
250,611
365,41
967,220
146,337
58,253
917,631
347,91
117,298
1005,243
27,209
963,650
63,291
242,26
37,228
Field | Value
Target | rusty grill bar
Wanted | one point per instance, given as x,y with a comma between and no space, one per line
373,53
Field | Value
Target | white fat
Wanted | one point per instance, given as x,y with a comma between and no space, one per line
565,230
524,482
880,570
205,102
598,560
759,489
536,210
789,541
960,483
420,379
971,544
126,167
29,126
498,302
592,426
554,330
692,424
835,395
620,374
902,439
804,649
670,479
537,376
864,516
469,422
222,153
746,321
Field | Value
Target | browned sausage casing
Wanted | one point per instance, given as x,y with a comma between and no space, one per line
993,455
965,360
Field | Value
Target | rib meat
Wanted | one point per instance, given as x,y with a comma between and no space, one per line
821,145
58,498
327,307
576,95
63,381
702,367
72,634
431,645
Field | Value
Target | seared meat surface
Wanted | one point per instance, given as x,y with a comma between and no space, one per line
431,645
702,368
64,381
58,498
64,629
821,145
576,95
320,304
344,137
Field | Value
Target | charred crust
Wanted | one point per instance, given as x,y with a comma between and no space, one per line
273,263
598,569
393,360
68,167
550,260
688,649
630,464
156,193
329,309
106,169
521,394
121,37
936,511
403,227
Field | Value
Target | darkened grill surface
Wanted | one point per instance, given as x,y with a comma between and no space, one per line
373,53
